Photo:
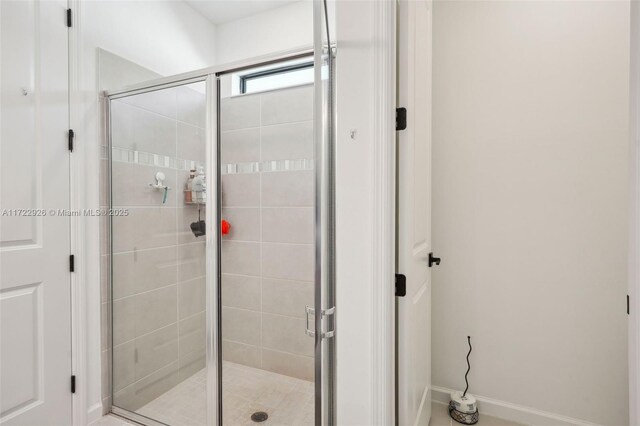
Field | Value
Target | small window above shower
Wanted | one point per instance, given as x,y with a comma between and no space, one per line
274,76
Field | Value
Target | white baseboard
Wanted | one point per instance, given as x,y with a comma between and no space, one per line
94,413
513,412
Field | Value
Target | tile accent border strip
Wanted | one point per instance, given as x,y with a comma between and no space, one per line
267,166
123,155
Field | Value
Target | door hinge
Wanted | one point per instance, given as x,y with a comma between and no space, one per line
69,18
72,263
433,260
628,304
72,136
325,313
73,384
401,118
401,285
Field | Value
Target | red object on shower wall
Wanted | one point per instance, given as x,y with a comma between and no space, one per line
225,227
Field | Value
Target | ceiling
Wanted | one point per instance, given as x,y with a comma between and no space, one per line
221,11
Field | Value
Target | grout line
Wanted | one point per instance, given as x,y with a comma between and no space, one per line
269,242
267,207
142,206
261,312
240,275
268,349
243,343
177,283
189,206
270,278
266,242
289,353
137,250
195,126
144,292
147,376
191,316
287,207
259,127
147,334
177,324
199,277
232,207
176,119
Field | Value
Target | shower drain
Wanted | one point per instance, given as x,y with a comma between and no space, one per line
259,416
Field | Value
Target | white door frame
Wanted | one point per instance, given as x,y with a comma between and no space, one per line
634,222
78,188
383,247
86,325
365,211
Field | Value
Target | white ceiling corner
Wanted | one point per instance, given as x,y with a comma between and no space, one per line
223,11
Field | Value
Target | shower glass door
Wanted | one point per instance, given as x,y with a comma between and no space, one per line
157,161
221,264
268,243
276,211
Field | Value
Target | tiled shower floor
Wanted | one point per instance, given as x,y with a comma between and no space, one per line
286,400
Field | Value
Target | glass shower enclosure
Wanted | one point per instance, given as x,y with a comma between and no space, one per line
158,262
221,271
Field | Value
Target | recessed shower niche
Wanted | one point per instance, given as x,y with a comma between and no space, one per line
217,271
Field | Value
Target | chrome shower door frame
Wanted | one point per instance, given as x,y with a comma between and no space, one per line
211,263
324,354
324,294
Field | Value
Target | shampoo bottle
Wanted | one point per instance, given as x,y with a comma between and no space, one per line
188,195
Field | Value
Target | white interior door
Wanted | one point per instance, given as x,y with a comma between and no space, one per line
414,213
35,314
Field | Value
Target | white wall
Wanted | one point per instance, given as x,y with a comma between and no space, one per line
285,28
530,198
168,37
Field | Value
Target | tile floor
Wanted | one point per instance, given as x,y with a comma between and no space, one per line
111,420
288,401
440,417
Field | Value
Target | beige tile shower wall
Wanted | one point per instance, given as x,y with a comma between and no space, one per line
268,256
158,265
